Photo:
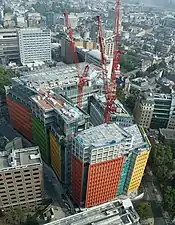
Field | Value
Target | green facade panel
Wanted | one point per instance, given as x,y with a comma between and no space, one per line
41,138
123,175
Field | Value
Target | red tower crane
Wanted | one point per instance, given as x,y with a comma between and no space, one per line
115,73
82,78
103,59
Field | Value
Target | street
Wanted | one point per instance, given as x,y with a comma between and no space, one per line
152,195
55,185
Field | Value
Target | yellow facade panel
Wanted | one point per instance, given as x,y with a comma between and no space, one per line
137,174
55,154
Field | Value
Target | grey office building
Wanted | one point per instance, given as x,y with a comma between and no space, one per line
9,47
21,176
34,45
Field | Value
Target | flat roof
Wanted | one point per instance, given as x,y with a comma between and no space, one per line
116,212
104,134
49,101
49,78
120,110
168,133
17,158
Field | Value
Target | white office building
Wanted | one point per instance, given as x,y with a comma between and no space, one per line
34,45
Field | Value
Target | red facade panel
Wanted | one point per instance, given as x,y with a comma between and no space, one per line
103,179
20,117
77,178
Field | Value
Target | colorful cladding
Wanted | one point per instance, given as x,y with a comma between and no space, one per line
20,117
138,170
41,138
103,179
55,155
77,179
123,175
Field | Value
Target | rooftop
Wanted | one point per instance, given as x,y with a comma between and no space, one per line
104,134
112,134
168,133
116,212
138,138
11,157
120,110
49,78
49,101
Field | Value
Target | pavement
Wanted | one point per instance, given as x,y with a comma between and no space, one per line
58,189
153,196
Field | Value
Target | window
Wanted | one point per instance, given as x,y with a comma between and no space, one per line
16,172
9,182
7,174
27,179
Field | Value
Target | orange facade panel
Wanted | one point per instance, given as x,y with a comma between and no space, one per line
77,178
103,179
20,117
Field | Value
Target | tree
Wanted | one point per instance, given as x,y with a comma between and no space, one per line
144,210
169,201
161,161
14,217
5,78
31,221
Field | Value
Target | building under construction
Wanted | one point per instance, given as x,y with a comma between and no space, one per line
107,161
45,118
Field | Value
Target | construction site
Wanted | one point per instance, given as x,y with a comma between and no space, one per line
83,131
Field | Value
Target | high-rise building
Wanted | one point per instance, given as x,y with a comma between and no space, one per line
155,110
21,177
9,50
96,110
47,118
107,161
34,45
108,46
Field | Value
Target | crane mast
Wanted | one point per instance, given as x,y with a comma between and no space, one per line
103,59
82,78
111,95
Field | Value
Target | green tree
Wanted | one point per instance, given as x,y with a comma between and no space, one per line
5,78
144,210
161,160
31,221
169,201
15,217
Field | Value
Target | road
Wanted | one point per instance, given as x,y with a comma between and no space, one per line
58,189
152,195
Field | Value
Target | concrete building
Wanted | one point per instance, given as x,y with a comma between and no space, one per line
21,22
108,46
9,47
155,111
66,48
9,20
21,176
73,20
107,161
96,110
33,19
118,212
39,111
34,45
